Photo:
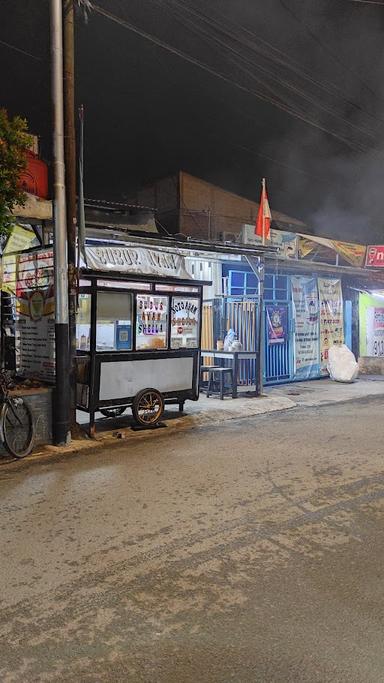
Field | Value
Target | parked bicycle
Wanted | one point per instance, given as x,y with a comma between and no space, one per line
16,420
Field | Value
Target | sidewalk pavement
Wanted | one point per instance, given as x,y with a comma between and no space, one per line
211,411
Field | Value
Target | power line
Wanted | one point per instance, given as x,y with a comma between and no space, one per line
19,49
209,33
268,51
205,67
369,2
326,47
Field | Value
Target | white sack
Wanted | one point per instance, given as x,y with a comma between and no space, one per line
342,365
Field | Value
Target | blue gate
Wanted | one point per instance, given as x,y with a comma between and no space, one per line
278,329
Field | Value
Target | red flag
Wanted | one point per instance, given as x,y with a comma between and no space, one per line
264,216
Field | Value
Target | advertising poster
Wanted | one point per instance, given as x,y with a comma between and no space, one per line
306,315
375,331
35,316
331,317
277,323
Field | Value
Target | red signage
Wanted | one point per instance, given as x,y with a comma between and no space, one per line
375,256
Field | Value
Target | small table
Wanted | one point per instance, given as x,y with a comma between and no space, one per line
234,357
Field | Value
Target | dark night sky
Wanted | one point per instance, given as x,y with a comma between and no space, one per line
149,113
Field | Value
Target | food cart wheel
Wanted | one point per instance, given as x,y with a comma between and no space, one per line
113,412
148,407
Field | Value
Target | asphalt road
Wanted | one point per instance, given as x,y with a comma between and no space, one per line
249,552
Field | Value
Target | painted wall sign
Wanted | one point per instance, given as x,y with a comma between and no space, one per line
306,314
277,324
136,260
331,317
375,331
370,331
375,256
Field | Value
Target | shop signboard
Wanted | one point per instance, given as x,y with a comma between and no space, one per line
35,316
375,256
135,260
306,315
375,331
331,317
277,324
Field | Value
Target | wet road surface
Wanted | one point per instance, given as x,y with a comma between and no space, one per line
250,552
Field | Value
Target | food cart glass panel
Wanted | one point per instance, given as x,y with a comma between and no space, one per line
83,323
114,321
151,322
185,318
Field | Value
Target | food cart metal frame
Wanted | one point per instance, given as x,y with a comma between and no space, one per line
94,379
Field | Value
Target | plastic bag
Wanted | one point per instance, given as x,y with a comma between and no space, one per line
229,339
342,366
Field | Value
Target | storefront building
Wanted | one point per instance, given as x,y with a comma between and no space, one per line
317,293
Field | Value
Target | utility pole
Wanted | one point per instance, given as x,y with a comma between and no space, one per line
70,182
260,335
61,433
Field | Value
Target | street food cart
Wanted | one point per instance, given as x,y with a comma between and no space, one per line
138,332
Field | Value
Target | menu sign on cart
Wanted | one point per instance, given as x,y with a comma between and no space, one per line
184,323
35,316
151,322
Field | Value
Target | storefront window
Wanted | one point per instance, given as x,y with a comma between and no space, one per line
185,314
114,321
83,323
151,322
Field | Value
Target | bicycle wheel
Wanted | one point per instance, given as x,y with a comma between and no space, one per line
17,427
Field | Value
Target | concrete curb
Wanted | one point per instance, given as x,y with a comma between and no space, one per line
249,408
117,437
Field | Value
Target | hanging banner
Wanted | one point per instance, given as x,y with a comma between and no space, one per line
331,318
277,324
35,316
375,331
306,314
21,238
352,253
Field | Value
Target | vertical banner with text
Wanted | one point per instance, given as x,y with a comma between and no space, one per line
306,314
331,317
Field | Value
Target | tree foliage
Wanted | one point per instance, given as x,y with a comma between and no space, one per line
14,143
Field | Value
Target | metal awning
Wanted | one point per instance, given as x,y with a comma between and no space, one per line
372,274
181,245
